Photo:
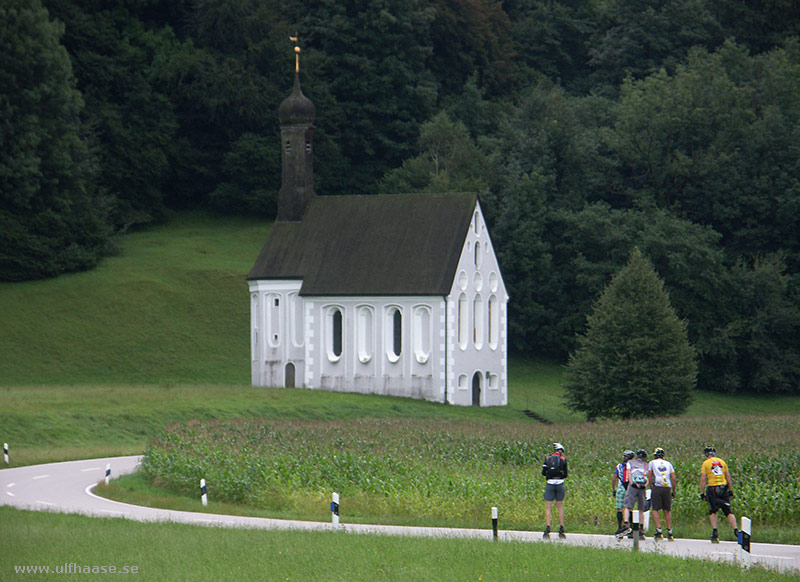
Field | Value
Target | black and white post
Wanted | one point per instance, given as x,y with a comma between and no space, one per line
494,523
335,510
635,524
203,492
108,472
5,452
744,541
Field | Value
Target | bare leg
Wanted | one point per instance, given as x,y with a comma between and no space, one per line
560,508
548,506
732,520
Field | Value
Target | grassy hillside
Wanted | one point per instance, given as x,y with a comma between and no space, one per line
171,308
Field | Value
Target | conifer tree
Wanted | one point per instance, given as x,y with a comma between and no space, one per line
634,359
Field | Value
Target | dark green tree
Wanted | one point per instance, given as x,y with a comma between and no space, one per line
52,218
755,346
225,80
714,143
367,71
249,170
471,39
449,161
131,122
637,39
552,38
635,358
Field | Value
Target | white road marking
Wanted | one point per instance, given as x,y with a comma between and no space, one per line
90,469
10,484
9,493
45,502
40,477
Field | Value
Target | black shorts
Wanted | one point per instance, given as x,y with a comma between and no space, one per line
718,498
661,498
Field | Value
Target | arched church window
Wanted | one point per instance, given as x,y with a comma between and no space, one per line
334,333
422,333
364,334
462,321
393,334
477,322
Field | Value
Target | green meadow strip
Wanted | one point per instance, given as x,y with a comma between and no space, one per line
168,551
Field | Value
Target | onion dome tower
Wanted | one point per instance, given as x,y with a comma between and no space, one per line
296,116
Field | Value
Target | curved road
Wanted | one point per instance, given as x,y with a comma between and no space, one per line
67,487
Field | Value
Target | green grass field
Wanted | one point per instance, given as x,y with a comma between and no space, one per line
98,363
178,552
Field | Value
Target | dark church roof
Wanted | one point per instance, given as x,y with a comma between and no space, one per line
399,244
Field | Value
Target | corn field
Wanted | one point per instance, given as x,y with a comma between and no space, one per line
433,472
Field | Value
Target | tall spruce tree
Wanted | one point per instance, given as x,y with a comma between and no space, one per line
635,358
51,216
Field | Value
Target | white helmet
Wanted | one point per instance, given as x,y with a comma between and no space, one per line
558,447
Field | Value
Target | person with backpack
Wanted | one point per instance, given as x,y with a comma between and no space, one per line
663,479
636,495
555,471
715,489
619,483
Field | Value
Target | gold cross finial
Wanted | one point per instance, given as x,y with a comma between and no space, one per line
296,53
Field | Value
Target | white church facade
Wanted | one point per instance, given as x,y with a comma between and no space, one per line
398,295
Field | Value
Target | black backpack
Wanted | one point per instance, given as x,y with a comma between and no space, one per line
554,466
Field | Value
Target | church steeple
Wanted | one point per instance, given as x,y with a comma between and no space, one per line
296,115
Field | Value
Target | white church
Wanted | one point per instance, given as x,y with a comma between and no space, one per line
399,295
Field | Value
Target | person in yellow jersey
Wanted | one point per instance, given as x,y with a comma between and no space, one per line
715,489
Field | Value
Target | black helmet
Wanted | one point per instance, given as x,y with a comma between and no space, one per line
658,453
629,454
709,449
641,453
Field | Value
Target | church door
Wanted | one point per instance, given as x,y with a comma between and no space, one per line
476,389
289,376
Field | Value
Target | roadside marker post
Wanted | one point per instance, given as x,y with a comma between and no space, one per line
5,452
646,519
108,472
203,492
335,510
635,528
494,523
744,541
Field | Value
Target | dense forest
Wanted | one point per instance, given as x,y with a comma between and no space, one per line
588,127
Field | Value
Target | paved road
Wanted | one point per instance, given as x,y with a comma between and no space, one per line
68,487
